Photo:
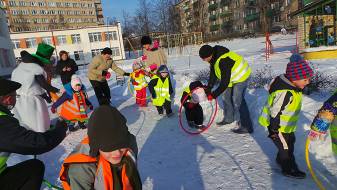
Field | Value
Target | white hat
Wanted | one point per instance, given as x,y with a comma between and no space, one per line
75,80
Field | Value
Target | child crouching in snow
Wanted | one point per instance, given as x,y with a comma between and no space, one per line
139,84
74,104
282,111
161,89
192,96
326,119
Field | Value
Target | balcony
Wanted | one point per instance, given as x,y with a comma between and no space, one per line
251,3
187,10
212,7
215,27
252,17
212,18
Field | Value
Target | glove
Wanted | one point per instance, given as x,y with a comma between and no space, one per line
135,83
210,97
107,76
126,74
154,95
91,107
104,73
53,109
273,133
144,58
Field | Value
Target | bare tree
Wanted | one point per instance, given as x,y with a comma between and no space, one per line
142,17
266,20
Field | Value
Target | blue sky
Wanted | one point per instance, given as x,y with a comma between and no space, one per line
114,8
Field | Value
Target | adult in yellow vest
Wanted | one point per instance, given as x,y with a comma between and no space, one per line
14,138
233,72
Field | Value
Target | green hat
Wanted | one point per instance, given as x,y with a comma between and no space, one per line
44,52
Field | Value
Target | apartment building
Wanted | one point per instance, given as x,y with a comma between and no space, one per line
82,44
7,59
228,16
42,15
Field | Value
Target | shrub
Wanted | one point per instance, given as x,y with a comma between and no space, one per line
261,77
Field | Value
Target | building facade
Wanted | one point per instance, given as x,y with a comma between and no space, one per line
82,44
7,59
43,15
232,16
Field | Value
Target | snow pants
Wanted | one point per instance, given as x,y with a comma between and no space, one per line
167,106
27,175
195,114
285,157
141,97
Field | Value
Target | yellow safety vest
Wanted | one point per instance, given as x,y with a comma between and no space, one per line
3,155
240,71
140,80
289,116
162,91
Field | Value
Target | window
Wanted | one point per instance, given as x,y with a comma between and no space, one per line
16,44
115,36
108,36
31,42
76,38
95,37
47,40
95,52
12,3
115,51
78,55
61,40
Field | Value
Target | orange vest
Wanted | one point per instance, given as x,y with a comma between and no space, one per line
71,109
103,177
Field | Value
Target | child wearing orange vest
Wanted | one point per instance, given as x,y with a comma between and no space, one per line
74,104
106,158
139,83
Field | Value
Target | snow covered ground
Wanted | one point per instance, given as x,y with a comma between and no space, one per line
170,159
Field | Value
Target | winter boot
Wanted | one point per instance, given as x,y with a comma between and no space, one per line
295,174
223,123
200,126
191,124
72,128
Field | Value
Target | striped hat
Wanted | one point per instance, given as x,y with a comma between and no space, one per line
298,68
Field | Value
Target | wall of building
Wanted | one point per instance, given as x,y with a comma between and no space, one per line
84,49
7,59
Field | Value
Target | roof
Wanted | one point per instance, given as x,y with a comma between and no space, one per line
310,7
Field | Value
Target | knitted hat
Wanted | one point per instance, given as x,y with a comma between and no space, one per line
163,69
107,130
44,52
298,68
8,86
146,40
75,80
205,51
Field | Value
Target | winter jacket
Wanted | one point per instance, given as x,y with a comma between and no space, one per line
66,75
225,66
157,88
138,79
282,109
82,171
98,65
17,139
187,93
155,56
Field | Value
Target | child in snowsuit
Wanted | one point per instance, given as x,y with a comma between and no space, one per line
106,158
191,98
282,110
74,104
326,119
161,89
139,83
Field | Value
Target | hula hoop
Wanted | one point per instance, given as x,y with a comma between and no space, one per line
133,93
209,122
313,175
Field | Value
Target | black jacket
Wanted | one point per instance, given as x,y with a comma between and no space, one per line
66,75
225,65
281,83
17,139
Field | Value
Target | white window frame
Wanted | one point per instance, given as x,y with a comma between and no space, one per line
76,38
47,40
31,42
78,55
16,44
62,39
95,37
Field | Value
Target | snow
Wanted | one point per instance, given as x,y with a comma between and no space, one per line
217,159
322,48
